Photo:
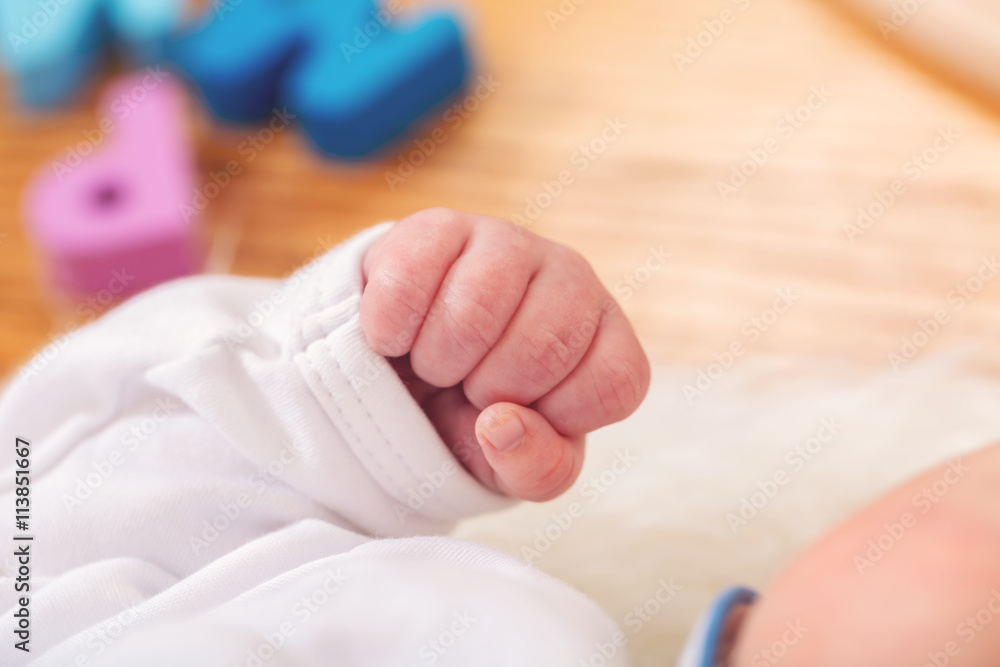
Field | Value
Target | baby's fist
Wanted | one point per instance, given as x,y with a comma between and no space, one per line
509,341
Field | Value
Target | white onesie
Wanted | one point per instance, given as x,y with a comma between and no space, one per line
223,473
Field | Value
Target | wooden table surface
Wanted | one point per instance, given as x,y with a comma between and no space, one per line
563,74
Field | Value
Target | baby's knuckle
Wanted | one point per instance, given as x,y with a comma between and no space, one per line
513,249
438,217
572,260
472,326
400,291
620,385
548,357
511,232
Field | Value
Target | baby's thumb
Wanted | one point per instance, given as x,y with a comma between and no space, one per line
530,459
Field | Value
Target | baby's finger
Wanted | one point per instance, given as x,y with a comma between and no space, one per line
608,384
455,420
530,459
403,271
475,302
545,339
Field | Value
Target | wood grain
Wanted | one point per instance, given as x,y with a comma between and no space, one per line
655,186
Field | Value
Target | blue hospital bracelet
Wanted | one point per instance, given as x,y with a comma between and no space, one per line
707,641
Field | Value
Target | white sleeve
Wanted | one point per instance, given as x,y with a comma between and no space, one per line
214,410
210,464
412,602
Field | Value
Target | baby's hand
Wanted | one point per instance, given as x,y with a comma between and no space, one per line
510,343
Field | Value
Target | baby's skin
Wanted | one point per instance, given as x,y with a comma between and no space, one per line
509,342
516,351
913,580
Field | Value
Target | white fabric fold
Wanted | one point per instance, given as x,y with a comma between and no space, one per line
213,448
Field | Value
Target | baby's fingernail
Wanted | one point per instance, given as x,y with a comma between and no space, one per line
504,432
